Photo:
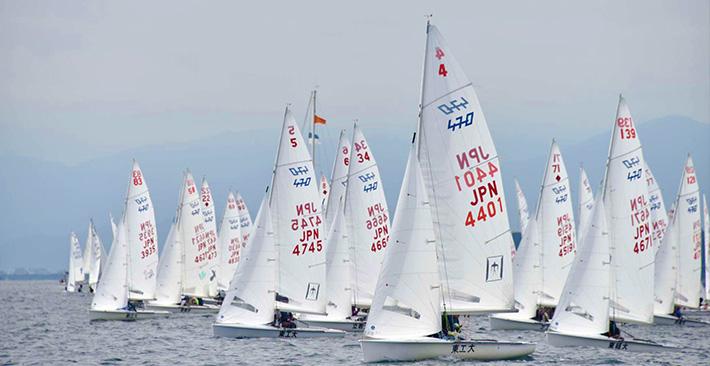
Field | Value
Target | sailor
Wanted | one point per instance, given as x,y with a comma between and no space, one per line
614,331
80,287
677,313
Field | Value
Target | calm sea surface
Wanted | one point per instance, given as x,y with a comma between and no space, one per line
43,326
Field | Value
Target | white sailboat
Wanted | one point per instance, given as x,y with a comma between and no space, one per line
462,181
610,277
208,214
405,317
130,273
546,254
586,203
367,218
295,211
97,256
76,272
706,222
680,256
231,243
182,261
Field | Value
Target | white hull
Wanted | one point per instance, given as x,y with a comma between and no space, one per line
671,320
378,350
125,315
344,324
500,323
192,309
565,340
266,331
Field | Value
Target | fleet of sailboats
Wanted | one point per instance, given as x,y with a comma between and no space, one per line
321,258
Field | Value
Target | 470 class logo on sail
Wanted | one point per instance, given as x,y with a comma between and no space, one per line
455,105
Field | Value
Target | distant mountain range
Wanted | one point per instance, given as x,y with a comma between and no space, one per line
44,201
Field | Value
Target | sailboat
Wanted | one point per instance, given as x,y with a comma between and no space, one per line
208,214
679,259
76,272
94,263
586,203
367,219
523,213
706,222
185,257
545,253
405,317
463,187
231,245
129,276
299,263
609,279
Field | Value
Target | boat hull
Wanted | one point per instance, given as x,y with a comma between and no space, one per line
265,331
193,309
344,324
671,320
566,340
379,350
500,323
125,315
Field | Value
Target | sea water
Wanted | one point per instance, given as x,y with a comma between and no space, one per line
42,325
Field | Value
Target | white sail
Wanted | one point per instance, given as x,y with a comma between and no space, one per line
528,274
659,216
586,203
230,242
113,225
139,221
367,216
338,277
191,230
324,189
245,224
555,217
76,272
408,295
628,212
169,279
462,172
523,212
250,298
338,179
87,260
584,306
706,222
98,255
689,238
297,220
112,291
666,271
208,214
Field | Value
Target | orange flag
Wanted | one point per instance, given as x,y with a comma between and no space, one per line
319,120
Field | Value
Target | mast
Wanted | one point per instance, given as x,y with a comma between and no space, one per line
421,90
313,131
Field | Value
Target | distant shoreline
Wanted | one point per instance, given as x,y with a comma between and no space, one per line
32,277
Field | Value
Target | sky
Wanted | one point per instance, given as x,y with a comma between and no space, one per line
86,86
85,79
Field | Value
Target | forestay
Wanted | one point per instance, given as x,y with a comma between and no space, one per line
338,179
295,208
112,291
408,295
586,203
139,219
689,238
584,305
207,208
367,216
250,298
230,242
197,254
627,206
462,173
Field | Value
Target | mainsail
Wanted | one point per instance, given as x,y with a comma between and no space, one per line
586,203
230,242
689,234
207,208
197,254
338,180
139,221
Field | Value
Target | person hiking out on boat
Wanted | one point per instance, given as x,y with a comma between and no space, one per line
614,331
677,312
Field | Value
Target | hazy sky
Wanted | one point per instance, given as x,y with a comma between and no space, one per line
84,79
